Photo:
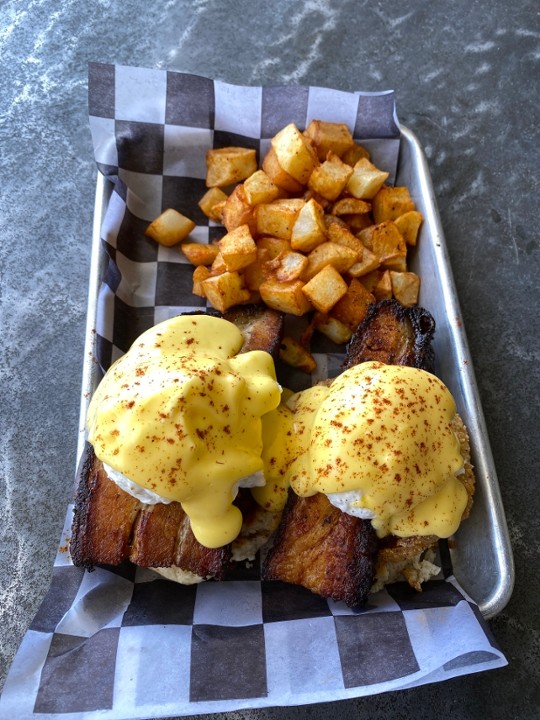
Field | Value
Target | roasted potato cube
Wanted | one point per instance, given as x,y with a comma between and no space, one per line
387,242
278,218
366,263
225,290
366,236
238,248
391,202
405,287
256,273
356,223
354,154
333,328
383,287
294,354
350,206
277,174
309,229
169,228
287,266
330,178
294,153
325,288
237,211
218,266
366,180
259,188
212,202
199,254
229,165
329,253
329,137
199,274
285,297
408,225
274,245
352,308
338,232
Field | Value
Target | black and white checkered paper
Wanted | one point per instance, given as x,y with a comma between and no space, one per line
122,642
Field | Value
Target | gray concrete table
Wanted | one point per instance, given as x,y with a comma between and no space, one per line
466,76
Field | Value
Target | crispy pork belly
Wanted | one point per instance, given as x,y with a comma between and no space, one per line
393,334
324,550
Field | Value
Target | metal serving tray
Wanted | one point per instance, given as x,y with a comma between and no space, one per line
481,554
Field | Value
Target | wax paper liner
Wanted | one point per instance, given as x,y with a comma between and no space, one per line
124,643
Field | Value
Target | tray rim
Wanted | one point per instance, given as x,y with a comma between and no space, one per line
494,602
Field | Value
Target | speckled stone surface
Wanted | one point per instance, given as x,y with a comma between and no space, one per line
466,77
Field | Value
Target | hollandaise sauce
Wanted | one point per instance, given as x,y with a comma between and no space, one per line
382,434
181,415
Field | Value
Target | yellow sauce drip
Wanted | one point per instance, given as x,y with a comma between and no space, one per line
180,414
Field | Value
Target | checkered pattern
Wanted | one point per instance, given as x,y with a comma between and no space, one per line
123,643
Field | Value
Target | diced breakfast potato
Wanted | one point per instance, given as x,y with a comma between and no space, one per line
408,225
285,297
309,229
333,328
287,266
294,153
259,188
212,202
278,175
229,165
330,178
314,230
391,202
329,137
294,354
225,290
352,308
325,288
199,254
238,248
237,211
405,287
366,180
170,228
329,253
278,218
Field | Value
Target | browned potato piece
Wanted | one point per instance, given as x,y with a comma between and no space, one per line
238,248
258,188
218,266
333,328
354,154
212,202
329,253
383,287
325,288
278,218
287,266
278,175
405,287
256,273
199,254
294,354
274,245
199,274
352,307
285,297
387,243
237,211
294,153
229,165
225,290
169,228
366,180
408,225
329,137
391,202
308,230
350,206
330,178
366,263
